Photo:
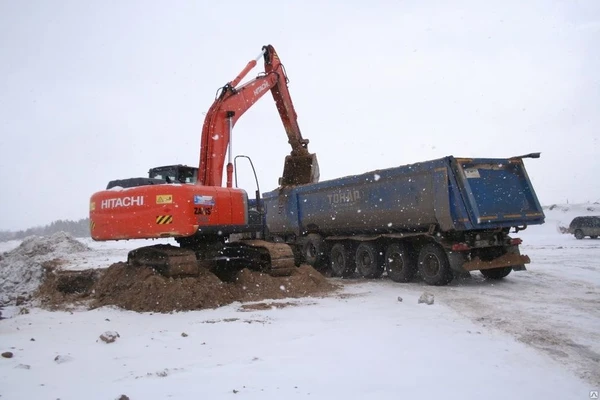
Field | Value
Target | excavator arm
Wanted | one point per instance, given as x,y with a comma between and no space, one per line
232,102
284,103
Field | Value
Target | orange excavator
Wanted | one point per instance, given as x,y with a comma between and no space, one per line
192,205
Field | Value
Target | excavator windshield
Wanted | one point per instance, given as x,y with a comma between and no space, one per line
175,173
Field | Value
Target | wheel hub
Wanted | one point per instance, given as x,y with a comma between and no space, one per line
431,265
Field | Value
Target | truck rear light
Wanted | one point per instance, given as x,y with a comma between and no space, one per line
460,247
516,241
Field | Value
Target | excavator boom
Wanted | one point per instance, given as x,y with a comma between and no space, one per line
232,102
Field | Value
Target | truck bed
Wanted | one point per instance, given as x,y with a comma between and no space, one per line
452,194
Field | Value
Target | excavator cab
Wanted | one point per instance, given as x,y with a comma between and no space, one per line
158,176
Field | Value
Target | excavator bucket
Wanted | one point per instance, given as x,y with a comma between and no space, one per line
300,170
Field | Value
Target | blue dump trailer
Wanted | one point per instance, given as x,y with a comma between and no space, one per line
439,218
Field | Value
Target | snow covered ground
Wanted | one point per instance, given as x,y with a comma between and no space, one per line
535,335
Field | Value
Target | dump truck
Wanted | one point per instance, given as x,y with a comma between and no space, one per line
438,218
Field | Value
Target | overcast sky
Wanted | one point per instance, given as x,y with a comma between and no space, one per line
92,91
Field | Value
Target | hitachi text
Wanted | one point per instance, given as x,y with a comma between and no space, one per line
123,202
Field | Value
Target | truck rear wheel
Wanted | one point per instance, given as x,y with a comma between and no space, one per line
314,251
368,260
434,266
496,273
399,264
579,234
342,261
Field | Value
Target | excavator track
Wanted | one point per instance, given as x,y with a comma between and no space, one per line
275,259
171,261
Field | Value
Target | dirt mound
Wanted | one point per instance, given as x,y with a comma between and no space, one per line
22,269
143,289
257,286
59,244
64,288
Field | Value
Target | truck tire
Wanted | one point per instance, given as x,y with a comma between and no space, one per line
398,263
314,251
496,273
369,262
579,234
434,266
342,261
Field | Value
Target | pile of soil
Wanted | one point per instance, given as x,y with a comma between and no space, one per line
22,269
143,289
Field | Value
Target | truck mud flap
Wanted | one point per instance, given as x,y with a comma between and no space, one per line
507,260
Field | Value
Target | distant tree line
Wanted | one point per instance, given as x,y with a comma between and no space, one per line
80,228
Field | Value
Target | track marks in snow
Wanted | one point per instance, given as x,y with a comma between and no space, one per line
551,310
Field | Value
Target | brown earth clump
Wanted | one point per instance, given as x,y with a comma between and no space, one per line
143,289
63,288
254,286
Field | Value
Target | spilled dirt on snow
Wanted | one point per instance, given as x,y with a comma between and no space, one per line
266,306
143,289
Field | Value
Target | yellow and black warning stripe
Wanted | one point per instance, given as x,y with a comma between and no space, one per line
164,219
92,225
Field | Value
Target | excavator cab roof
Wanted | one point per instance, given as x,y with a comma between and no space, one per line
158,176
